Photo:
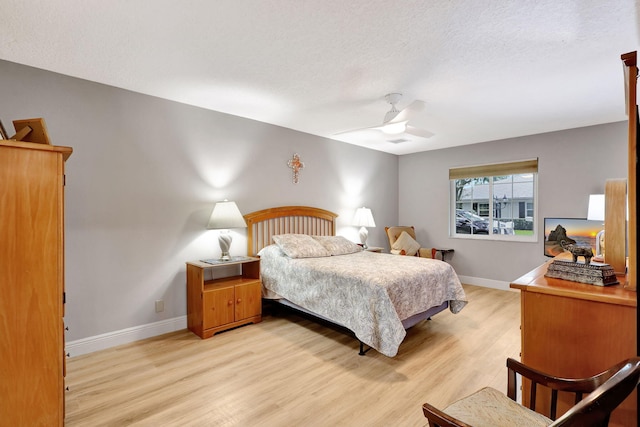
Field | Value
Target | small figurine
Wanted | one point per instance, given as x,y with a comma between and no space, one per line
576,251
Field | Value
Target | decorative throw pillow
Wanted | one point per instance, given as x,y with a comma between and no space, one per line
271,251
338,245
300,246
406,243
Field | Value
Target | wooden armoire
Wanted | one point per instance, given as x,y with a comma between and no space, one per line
32,359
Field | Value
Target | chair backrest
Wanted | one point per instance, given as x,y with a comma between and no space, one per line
596,408
394,232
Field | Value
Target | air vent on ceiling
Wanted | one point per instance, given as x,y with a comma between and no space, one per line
397,141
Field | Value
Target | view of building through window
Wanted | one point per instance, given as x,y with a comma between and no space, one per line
495,206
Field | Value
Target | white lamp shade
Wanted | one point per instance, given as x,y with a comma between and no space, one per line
363,218
226,215
595,211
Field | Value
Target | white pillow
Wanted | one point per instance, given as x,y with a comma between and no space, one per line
271,251
300,246
338,245
407,243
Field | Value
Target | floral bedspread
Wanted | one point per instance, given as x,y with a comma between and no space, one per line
369,293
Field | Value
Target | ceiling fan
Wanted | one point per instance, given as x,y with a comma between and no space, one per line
397,122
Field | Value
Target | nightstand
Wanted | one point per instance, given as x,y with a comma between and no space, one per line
215,305
374,249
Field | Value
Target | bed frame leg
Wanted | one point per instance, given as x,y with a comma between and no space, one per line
362,350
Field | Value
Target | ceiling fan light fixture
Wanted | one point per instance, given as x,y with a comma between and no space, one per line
394,128
397,122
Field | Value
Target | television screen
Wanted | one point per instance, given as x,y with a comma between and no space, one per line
573,230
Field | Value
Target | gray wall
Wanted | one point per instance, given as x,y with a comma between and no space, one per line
143,179
145,173
572,165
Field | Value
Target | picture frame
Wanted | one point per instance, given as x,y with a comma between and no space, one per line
578,230
32,130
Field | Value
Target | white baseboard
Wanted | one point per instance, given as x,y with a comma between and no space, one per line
124,336
487,283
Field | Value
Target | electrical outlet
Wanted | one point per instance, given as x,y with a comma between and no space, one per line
159,306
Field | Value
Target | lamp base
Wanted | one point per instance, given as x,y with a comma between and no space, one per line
224,239
364,233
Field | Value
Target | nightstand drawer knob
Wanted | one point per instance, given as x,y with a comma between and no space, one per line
230,302
239,301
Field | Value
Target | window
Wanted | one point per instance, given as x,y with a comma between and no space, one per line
495,202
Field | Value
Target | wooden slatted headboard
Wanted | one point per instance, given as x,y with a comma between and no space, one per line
264,224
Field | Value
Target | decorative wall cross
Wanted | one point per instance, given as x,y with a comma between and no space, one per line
295,164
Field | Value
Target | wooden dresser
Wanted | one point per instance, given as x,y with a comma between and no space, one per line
576,330
32,283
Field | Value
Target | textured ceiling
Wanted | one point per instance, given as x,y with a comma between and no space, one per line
486,70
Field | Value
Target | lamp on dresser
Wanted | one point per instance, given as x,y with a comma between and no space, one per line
363,219
595,212
225,215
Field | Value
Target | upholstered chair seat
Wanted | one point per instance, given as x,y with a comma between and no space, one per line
489,407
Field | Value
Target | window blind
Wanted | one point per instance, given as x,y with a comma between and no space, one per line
495,169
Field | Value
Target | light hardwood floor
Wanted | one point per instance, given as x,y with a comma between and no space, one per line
289,371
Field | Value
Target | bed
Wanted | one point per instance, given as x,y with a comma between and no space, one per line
375,296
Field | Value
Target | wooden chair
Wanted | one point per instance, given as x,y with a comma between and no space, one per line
394,233
490,407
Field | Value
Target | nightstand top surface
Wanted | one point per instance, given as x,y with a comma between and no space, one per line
214,262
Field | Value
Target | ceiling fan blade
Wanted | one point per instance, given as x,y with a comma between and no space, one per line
344,132
423,133
416,107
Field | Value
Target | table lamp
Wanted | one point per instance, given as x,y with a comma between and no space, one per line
225,215
363,219
595,212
